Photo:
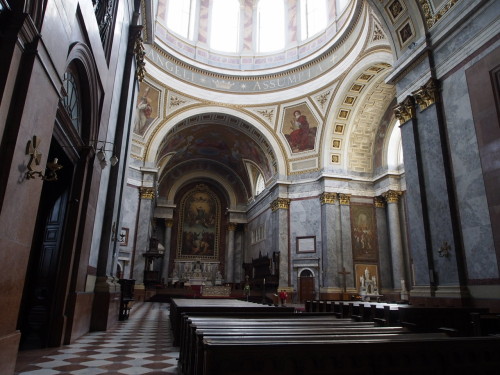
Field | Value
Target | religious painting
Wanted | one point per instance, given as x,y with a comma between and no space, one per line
395,9
306,244
198,235
364,232
146,108
405,33
366,274
299,128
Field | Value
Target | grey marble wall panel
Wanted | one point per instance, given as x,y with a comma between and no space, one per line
329,245
384,249
438,204
469,184
346,244
416,232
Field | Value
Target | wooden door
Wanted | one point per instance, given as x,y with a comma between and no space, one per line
306,287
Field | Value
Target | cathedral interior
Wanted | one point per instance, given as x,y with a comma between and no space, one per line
333,150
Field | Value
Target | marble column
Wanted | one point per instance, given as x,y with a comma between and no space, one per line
280,208
346,240
392,198
144,214
231,228
166,257
416,199
330,248
385,262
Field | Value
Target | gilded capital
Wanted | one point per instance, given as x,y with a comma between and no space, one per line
280,203
392,196
328,198
379,202
231,227
405,110
427,95
345,199
169,223
147,192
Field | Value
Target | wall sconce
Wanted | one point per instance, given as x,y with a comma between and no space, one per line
100,146
35,158
445,250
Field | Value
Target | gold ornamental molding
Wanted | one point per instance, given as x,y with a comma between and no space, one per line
169,223
231,227
280,203
430,17
405,110
392,196
427,95
328,198
345,199
379,202
139,53
147,192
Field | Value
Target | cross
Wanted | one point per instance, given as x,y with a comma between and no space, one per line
344,273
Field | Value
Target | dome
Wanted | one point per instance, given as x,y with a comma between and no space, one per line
251,36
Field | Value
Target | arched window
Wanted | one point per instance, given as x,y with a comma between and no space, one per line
72,100
313,17
395,149
270,25
225,26
181,17
259,185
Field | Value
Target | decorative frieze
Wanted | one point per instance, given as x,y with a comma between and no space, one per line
392,196
427,95
328,198
280,203
405,110
345,199
147,192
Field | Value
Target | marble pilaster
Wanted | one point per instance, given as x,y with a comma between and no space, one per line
396,244
168,239
145,211
346,240
280,208
330,249
231,228
385,281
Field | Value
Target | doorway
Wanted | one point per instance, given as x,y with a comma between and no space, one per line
306,286
42,295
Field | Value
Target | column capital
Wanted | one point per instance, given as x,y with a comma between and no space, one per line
280,203
405,110
379,202
392,196
231,226
328,198
345,199
147,192
427,95
169,223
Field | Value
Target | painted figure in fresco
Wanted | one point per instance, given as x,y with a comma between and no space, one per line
302,137
144,111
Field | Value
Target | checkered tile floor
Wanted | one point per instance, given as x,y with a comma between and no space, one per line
140,345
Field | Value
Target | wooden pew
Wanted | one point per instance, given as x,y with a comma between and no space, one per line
429,354
178,306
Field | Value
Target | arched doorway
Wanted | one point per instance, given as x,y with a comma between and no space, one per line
306,285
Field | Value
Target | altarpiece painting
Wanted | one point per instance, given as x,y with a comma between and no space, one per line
364,232
198,235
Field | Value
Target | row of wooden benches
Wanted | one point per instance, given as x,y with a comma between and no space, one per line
280,343
459,321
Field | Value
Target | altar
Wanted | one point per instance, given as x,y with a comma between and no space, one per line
368,289
196,272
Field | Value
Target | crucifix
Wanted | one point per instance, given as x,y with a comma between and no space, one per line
344,273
